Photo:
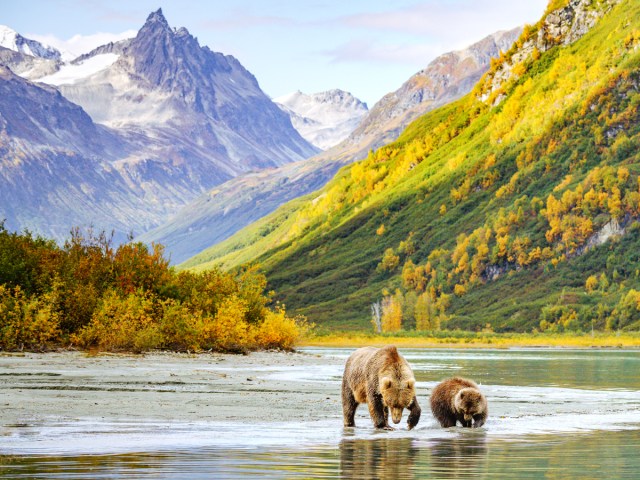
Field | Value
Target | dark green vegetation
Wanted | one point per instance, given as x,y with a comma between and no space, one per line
489,213
91,295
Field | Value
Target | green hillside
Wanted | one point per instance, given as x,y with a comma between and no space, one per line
490,212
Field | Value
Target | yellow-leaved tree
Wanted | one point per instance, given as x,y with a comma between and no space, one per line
391,314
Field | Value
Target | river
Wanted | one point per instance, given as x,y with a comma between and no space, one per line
553,413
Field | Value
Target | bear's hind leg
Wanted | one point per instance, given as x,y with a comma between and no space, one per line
447,421
349,405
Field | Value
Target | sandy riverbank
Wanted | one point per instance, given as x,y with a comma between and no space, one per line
164,387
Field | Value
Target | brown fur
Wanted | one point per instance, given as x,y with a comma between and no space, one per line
459,400
381,378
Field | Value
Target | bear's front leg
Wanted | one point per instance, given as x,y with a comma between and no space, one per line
414,413
465,423
478,420
377,411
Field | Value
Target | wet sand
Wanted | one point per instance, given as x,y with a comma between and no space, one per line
164,387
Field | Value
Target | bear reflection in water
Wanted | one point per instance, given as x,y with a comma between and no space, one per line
464,456
408,458
378,458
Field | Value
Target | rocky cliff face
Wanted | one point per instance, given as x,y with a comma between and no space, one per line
25,65
559,27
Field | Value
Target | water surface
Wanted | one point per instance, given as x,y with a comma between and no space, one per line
553,414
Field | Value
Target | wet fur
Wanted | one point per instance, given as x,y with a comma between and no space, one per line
455,397
381,378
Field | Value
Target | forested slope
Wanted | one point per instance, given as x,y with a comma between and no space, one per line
513,208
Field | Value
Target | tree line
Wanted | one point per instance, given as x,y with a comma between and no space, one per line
90,294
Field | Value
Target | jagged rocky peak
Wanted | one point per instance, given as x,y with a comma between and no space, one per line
156,47
157,17
156,34
174,61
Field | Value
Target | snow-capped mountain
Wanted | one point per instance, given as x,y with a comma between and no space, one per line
219,213
326,118
166,83
165,119
14,41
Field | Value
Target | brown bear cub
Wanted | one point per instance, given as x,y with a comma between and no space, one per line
381,378
459,400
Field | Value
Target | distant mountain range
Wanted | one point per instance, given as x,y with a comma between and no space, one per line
216,215
152,122
325,119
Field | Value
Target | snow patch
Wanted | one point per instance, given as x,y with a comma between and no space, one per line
70,73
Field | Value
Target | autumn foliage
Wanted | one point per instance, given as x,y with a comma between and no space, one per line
90,294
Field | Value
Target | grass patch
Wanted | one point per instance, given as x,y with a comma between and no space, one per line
462,339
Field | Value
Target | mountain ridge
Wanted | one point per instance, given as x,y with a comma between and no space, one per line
12,40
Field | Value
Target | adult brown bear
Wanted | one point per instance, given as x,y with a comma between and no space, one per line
381,378
459,400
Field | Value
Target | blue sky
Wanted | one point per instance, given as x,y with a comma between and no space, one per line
367,47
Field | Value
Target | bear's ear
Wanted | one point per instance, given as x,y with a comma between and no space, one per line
410,383
386,383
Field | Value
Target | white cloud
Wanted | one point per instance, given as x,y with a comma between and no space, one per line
79,44
368,51
416,34
457,22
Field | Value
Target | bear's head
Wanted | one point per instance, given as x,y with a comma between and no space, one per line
397,394
469,402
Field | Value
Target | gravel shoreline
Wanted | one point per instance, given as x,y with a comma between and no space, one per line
167,387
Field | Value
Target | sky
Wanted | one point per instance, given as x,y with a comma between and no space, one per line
366,47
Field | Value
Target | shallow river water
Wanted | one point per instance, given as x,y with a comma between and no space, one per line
553,414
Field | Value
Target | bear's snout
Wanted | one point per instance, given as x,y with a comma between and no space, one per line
396,415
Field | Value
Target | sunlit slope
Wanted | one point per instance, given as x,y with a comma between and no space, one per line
489,210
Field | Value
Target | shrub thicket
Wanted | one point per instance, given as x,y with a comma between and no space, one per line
93,295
